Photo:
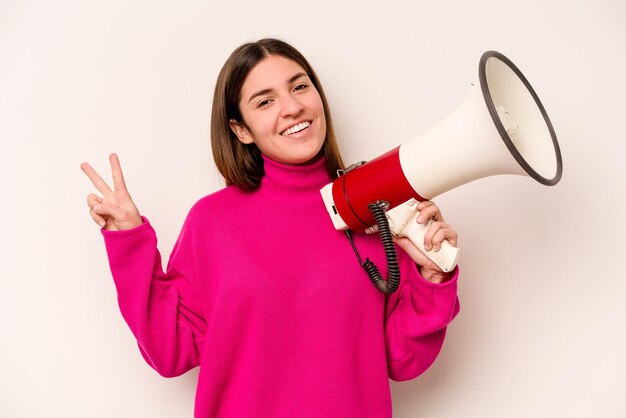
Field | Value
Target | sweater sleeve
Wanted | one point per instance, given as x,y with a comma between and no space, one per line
162,309
416,317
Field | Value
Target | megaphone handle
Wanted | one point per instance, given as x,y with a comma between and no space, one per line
447,256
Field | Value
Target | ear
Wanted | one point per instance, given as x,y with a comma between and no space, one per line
241,131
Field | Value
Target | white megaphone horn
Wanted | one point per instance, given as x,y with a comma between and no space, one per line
500,128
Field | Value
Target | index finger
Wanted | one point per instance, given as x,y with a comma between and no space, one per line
431,211
118,176
95,178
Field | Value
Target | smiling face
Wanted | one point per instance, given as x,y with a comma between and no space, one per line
282,111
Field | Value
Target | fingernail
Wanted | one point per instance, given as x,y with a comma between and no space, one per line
102,223
96,208
420,219
427,247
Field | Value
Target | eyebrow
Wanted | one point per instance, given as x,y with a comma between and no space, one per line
265,91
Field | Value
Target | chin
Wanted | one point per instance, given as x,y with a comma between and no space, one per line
300,159
309,157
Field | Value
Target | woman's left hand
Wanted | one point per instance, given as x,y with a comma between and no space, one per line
436,233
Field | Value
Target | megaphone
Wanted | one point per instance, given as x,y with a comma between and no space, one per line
500,128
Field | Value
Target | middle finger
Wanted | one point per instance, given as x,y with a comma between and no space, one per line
430,233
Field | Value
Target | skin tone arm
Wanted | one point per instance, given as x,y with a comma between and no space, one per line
436,233
115,210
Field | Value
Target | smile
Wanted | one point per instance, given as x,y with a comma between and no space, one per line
296,128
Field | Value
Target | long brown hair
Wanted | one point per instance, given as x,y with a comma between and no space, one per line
242,164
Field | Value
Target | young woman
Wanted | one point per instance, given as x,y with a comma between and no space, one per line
260,290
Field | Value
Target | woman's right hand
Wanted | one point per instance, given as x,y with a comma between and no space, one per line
115,210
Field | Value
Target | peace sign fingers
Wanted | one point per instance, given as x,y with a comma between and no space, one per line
115,208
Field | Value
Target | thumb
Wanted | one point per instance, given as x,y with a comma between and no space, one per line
108,209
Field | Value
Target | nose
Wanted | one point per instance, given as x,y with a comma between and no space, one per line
291,106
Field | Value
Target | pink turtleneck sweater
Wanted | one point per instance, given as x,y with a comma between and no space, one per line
268,299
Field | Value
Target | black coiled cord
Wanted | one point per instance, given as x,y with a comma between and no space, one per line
393,270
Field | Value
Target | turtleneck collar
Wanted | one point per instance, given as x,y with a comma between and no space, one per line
294,182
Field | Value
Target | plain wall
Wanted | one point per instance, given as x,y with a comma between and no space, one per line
542,328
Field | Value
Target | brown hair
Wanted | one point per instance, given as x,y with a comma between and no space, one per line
242,164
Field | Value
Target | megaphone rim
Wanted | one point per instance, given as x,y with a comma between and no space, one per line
502,131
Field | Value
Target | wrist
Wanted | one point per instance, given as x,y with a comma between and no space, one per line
435,276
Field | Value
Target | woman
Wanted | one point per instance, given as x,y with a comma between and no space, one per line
260,290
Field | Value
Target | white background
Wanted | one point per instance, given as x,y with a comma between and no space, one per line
542,328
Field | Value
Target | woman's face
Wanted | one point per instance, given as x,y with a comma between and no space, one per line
282,111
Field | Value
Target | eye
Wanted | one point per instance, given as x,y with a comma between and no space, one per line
263,103
300,87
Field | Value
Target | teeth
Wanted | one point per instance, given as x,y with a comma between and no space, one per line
296,128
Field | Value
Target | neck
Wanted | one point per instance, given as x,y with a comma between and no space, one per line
294,182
